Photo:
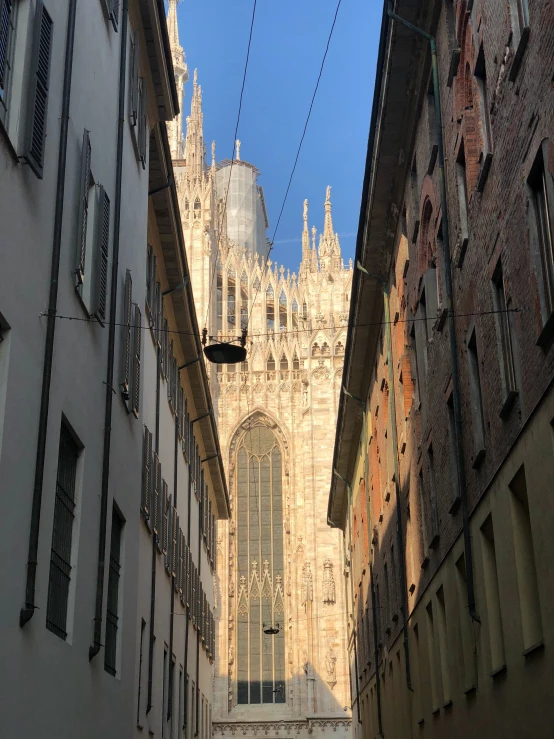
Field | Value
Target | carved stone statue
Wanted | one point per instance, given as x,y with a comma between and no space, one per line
307,584
331,667
231,654
306,212
329,590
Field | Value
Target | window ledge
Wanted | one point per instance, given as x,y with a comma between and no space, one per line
484,172
453,69
412,588
433,544
499,671
508,403
533,648
395,617
520,51
478,458
547,334
420,721
425,562
11,149
448,703
455,504
471,689
436,711
462,251
441,318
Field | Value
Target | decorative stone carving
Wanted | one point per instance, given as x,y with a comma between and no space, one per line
331,667
307,584
329,590
231,655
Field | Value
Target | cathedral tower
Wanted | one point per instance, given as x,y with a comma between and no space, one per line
282,660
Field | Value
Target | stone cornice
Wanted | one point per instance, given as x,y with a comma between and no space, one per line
255,728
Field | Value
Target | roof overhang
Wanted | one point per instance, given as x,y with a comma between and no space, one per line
166,207
402,66
159,57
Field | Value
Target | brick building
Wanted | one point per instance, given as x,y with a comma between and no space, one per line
444,452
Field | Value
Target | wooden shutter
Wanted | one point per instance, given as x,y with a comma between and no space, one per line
150,277
83,208
164,508
182,566
6,7
173,542
177,578
101,257
126,336
137,338
146,472
114,13
188,578
134,80
193,594
142,124
39,77
157,493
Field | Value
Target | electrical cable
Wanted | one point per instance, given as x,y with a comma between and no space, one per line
299,149
224,211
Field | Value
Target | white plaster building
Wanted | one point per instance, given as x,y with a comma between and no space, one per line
104,395
277,560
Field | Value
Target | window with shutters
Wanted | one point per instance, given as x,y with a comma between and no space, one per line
7,42
93,235
126,337
260,658
112,608
136,345
62,555
147,467
112,12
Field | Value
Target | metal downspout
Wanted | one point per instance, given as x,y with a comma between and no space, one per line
104,494
451,326
186,655
172,597
28,610
200,516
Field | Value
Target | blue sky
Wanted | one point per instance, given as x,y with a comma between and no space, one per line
287,48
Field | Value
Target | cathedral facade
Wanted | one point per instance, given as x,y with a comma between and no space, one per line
281,609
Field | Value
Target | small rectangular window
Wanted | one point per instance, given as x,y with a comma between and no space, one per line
476,400
505,340
526,569
492,596
62,535
112,609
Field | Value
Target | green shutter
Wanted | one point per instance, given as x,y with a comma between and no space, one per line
100,289
157,493
39,78
146,472
137,338
126,337
83,208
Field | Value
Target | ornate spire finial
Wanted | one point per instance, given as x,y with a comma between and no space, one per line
213,153
305,215
314,234
305,235
328,224
195,78
237,145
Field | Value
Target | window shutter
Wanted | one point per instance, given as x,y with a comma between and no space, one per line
173,543
134,80
193,595
101,257
167,534
164,517
182,566
6,7
146,472
150,279
142,124
114,13
157,492
177,579
188,578
181,410
126,336
83,208
39,75
137,338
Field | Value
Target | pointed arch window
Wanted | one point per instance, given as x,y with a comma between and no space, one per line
325,351
339,348
304,311
260,658
284,363
243,300
270,307
283,322
295,362
231,298
315,350
270,363
197,205
294,314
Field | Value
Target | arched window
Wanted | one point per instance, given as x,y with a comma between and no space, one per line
244,366
197,205
315,350
295,362
187,205
304,311
284,363
270,363
270,307
325,351
339,348
231,298
243,300
294,314
283,323
260,658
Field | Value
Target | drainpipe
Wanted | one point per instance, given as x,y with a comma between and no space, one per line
172,597
186,656
28,610
354,631
104,494
151,637
462,482
200,515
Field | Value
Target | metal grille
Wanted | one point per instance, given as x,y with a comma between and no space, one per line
64,513
110,652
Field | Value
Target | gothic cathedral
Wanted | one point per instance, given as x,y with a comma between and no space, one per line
281,657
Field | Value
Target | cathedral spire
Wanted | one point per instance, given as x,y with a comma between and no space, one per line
328,224
175,127
194,143
305,236
329,248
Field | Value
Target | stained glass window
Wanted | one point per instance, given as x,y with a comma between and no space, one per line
260,559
